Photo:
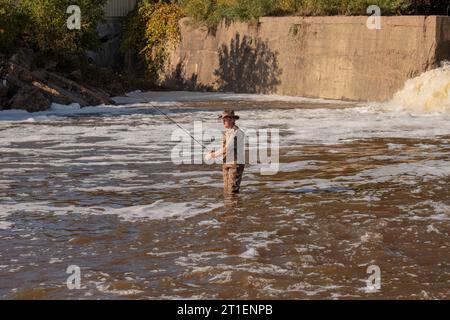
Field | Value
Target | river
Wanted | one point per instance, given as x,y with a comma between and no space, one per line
359,185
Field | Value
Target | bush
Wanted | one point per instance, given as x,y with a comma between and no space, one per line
12,22
212,12
149,31
245,10
351,7
41,25
208,12
439,7
48,30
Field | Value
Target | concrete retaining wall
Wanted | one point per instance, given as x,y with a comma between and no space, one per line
321,57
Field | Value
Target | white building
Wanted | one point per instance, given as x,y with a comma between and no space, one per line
119,8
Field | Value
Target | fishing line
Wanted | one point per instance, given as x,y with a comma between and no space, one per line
176,123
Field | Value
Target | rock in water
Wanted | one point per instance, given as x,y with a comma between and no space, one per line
35,89
30,99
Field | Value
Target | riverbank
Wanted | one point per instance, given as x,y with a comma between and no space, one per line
30,84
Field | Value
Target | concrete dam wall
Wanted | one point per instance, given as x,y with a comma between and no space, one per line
319,57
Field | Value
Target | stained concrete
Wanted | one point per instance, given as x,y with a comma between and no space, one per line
320,57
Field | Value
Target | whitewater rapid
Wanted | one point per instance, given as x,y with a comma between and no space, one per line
429,92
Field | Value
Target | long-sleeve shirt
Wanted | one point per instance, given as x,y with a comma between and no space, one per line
233,144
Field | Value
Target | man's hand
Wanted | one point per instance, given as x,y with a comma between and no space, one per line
210,155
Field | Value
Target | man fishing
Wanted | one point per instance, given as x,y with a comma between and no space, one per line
232,152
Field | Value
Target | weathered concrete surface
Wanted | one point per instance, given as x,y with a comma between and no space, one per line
322,57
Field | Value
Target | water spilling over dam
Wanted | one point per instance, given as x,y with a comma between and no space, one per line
430,92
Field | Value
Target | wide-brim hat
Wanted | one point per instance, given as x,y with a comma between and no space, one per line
228,114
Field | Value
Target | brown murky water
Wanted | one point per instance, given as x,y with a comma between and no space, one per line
356,187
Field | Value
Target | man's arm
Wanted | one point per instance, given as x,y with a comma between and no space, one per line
222,151
218,153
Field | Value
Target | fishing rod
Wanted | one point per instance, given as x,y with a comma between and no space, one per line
176,123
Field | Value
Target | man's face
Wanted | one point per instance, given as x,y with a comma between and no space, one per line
228,123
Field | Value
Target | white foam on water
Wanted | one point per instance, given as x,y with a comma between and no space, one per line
222,278
173,97
432,229
297,126
57,111
110,188
426,170
311,290
55,260
334,126
251,253
144,100
407,173
4,213
429,92
299,165
260,268
104,288
41,206
163,210
442,211
427,210
313,184
255,241
193,260
210,222
6,225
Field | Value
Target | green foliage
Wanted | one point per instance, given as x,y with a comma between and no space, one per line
247,10
207,12
351,7
212,12
48,30
427,7
42,25
12,22
150,30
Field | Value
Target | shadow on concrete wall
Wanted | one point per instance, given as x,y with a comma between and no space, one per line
247,65
177,80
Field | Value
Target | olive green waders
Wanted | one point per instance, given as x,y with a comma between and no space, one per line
232,177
